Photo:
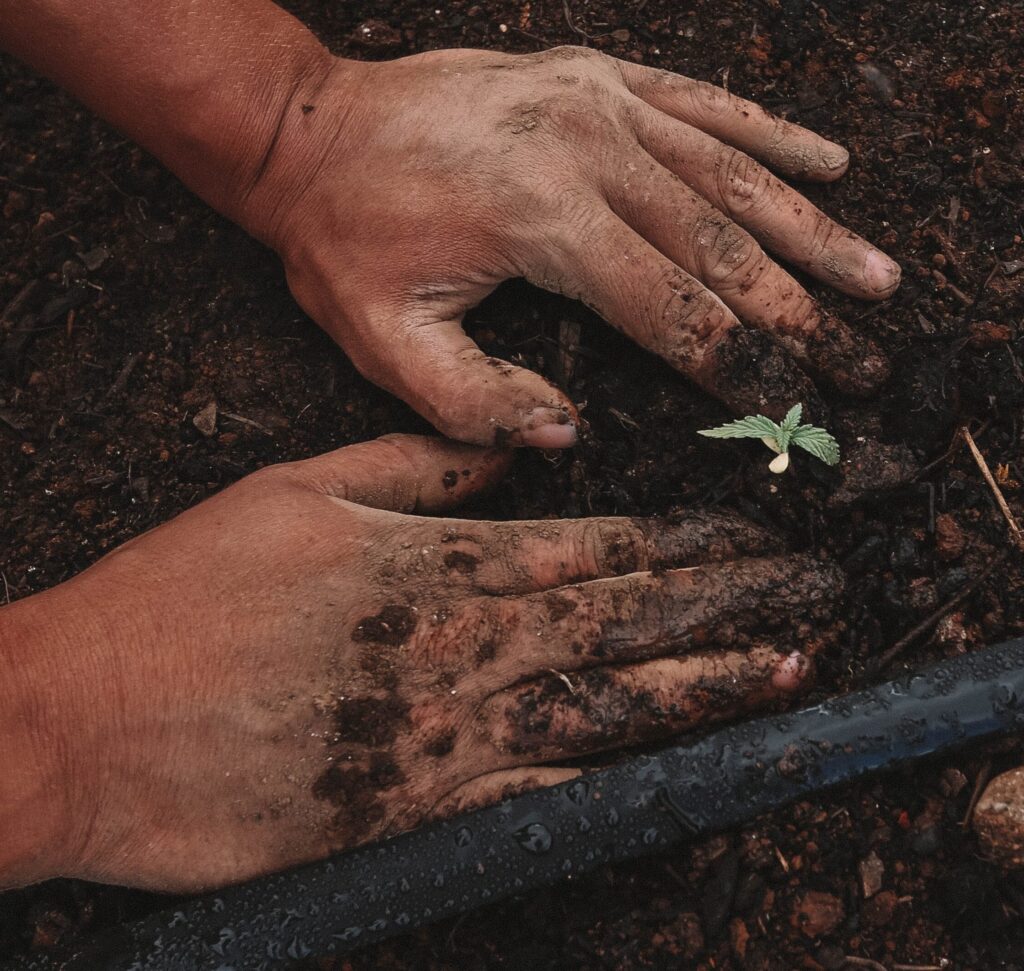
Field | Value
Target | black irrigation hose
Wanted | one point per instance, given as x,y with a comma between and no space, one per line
639,807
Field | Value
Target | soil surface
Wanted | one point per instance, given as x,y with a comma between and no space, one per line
126,307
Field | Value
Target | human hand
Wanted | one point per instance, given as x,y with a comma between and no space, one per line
301,664
399,194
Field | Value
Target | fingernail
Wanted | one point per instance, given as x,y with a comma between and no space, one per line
548,428
880,273
835,157
791,672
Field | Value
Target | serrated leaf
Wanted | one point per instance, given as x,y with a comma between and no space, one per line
818,442
753,426
788,425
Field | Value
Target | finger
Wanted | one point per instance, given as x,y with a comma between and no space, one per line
664,309
777,216
790,149
403,473
486,790
608,707
730,262
646,615
438,370
522,557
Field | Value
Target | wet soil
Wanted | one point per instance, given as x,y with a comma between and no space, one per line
127,307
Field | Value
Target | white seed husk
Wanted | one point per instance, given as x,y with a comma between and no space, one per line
780,463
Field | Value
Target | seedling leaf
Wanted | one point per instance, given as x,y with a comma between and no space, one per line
818,442
789,425
753,426
779,436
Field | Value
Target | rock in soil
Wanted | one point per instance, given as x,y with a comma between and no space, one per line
999,819
872,870
816,913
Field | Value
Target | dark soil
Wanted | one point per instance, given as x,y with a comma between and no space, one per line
131,306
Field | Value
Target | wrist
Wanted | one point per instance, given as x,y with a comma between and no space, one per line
229,148
33,800
46,799
313,121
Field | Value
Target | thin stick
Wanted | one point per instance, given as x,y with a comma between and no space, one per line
936,615
7,589
1018,537
979,788
850,961
564,678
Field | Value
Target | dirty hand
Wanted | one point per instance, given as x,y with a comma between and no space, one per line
399,194
301,664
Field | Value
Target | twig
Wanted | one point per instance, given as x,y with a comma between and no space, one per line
121,381
572,26
979,788
18,302
7,589
246,421
564,678
936,615
1018,538
850,961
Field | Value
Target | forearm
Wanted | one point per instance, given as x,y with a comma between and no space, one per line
206,87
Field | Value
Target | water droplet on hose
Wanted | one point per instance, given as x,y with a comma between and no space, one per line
534,838
578,792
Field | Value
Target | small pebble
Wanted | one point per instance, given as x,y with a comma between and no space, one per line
999,819
206,420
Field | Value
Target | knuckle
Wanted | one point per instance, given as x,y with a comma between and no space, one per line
686,311
468,638
730,257
612,548
704,98
743,185
825,234
272,478
571,52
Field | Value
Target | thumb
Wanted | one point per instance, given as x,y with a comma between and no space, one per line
438,370
405,473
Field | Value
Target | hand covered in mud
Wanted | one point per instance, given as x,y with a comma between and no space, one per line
400,194
301,664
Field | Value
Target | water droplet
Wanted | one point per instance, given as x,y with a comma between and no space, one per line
348,934
297,950
439,880
534,838
650,836
612,817
463,836
578,792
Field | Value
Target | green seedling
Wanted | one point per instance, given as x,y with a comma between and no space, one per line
778,436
